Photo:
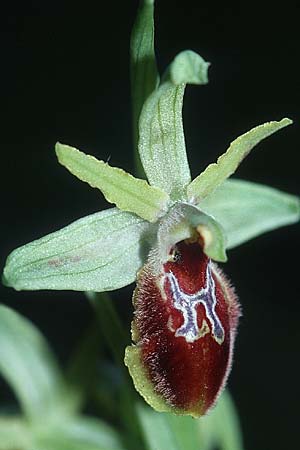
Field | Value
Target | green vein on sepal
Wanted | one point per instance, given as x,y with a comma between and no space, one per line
162,145
246,210
181,222
100,252
119,187
226,165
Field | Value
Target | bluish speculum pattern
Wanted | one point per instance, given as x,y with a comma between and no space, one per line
187,304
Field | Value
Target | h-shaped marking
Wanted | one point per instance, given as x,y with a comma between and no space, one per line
187,303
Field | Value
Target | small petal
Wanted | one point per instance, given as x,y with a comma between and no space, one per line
119,187
184,330
215,174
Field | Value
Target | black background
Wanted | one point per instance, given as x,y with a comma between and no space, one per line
65,77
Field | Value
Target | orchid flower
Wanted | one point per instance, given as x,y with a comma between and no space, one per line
167,234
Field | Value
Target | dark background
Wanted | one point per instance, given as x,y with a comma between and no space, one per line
65,77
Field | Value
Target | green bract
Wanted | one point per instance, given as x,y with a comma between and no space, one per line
144,74
161,143
104,251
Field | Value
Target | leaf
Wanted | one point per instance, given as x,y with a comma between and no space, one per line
78,434
29,367
144,75
168,431
15,434
161,145
100,252
246,209
180,223
119,187
214,175
221,427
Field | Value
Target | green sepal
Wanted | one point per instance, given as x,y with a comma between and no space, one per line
246,210
100,252
215,174
119,187
29,367
144,74
181,222
161,145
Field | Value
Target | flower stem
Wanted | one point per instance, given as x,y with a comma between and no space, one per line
116,339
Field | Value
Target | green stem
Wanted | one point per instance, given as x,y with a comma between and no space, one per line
81,370
143,70
111,327
116,340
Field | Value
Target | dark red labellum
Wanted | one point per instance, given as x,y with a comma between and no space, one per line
185,324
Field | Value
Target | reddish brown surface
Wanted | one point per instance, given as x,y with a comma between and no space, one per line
189,375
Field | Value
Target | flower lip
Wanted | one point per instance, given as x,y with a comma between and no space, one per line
185,324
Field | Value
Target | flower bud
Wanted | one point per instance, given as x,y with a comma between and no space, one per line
186,316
